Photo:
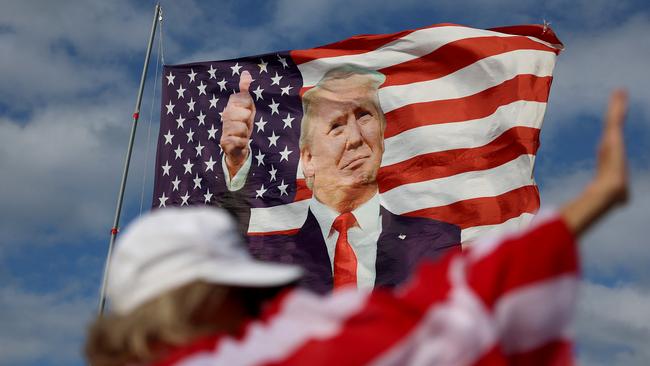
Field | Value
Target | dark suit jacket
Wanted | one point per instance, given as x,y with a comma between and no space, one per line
403,242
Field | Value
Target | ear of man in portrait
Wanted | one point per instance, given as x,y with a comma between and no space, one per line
348,237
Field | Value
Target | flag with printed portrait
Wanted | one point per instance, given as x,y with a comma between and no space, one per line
461,110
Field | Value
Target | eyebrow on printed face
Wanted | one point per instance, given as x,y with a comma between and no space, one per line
360,111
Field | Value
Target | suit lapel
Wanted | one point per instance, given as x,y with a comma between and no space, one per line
390,252
311,253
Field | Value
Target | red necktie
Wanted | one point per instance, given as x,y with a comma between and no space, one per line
345,261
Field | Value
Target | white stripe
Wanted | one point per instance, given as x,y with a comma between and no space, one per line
278,218
486,73
536,314
198,359
509,226
456,331
475,184
304,317
459,135
412,46
299,173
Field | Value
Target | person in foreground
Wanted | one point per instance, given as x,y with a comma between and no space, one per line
184,291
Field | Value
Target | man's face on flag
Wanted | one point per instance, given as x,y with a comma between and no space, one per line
345,142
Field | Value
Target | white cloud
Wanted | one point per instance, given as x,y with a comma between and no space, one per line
61,50
42,327
93,28
62,172
613,325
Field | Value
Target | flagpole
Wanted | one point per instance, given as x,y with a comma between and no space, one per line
125,172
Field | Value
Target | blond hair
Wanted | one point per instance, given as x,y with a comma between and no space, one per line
375,79
172,319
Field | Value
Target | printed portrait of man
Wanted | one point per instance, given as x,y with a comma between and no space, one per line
348,237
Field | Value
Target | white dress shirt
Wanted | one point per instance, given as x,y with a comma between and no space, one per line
362,236
237,182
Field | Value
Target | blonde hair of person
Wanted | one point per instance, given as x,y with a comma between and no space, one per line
172,319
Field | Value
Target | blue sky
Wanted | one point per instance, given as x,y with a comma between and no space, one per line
69,72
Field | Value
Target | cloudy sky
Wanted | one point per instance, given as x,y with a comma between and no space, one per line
69,71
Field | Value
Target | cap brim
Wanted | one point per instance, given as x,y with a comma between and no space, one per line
252,273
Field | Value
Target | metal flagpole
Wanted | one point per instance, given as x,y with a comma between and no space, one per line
120,196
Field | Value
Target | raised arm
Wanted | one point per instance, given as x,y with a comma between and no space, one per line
529,281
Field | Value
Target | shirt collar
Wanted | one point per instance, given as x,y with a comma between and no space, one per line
367,215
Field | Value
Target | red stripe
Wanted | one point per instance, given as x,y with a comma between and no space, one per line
302,191
494,356
354,45
454,56
542,253
532,30
508,146
479,105
304,89
279,232
555,353
485,210
384,321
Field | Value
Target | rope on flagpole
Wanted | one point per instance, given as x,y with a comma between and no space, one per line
145,171
127,161
160,36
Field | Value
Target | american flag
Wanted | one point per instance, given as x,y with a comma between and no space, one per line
464,108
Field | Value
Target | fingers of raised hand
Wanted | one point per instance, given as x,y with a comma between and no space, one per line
236,128
617,109
234,113
612,160
234,144
234,139
612,139
243,100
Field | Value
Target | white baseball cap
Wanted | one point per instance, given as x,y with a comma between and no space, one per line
172,247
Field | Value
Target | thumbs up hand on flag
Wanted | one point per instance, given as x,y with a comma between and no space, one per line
237,120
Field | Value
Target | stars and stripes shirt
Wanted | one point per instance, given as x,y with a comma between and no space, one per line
463,109
503,301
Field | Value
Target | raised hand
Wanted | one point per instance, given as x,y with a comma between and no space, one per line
611,168
609,186
237,127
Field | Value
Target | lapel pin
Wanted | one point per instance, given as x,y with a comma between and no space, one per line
402,236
